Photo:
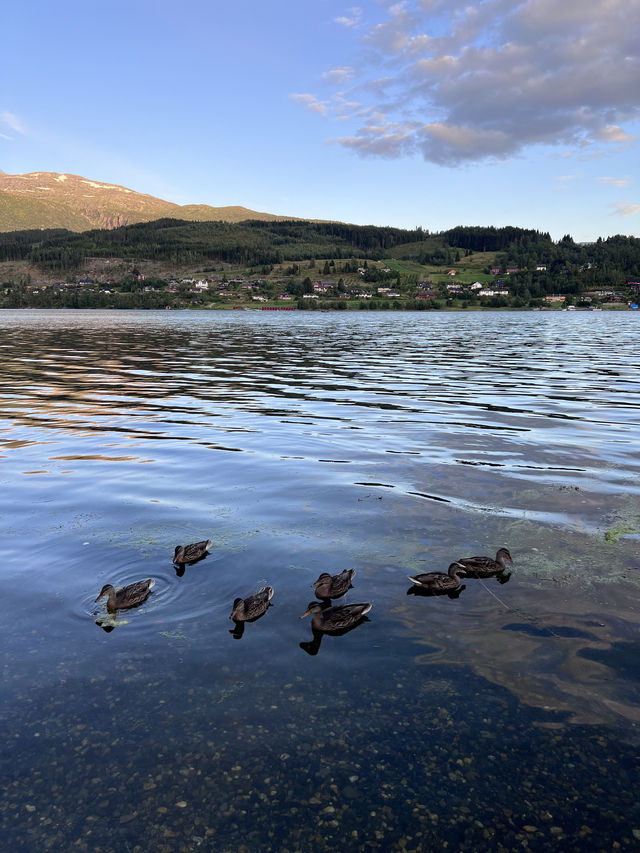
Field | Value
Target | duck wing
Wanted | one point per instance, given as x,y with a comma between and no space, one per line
335,618
340,584
134,593
480,565
255,605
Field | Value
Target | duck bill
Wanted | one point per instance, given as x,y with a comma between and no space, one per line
306,613
102,595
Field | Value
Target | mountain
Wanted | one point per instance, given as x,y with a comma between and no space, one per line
51,200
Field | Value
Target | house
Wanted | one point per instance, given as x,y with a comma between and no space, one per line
555,297
495,270
284,296
512,269
309,295
475,286
451,272
541,267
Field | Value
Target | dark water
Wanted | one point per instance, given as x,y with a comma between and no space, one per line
505,718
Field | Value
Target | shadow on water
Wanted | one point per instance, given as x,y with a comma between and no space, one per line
312,647
414,589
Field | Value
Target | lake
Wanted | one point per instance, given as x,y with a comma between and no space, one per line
505,716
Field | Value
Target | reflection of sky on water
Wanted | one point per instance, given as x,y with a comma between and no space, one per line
391,444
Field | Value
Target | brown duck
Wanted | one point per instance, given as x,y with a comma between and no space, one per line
334,586
247,609
129,596
335,618
439,581
191,553
485,567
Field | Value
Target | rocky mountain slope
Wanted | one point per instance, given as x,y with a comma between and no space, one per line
51,200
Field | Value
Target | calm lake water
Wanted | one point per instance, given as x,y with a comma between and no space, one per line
391,443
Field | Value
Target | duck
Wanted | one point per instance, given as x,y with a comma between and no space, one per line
334,586
191,553
439,581
129,596
485,567
252,607
335,618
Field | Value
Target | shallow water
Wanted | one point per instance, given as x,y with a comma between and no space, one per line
389,443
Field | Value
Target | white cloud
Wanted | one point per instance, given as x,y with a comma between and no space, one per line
12,121
613,133
339,76
468,82
311,103
352,19
624,208
614,182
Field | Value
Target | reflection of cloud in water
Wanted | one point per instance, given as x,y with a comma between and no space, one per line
551,655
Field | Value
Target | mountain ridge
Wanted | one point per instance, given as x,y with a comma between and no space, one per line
37,200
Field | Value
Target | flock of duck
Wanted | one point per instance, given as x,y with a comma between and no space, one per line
325,618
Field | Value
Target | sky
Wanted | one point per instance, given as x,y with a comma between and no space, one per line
430,113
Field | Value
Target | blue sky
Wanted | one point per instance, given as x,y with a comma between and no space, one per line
425,112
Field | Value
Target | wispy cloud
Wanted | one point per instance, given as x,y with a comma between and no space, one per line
339,76
12,121
310,102
614,182
624,208
468,82
352,19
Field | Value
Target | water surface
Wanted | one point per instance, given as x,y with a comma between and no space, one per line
301,443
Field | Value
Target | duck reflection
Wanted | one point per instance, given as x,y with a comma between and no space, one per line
181,567
423,592
336,621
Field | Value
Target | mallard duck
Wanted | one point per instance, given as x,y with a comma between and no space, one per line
247,609
191,553
485,567
334,586
438,581
129,596
335,618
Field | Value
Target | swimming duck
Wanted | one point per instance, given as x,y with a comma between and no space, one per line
439,581
129,596
247,609
191,553
334,586
335,618
485,567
